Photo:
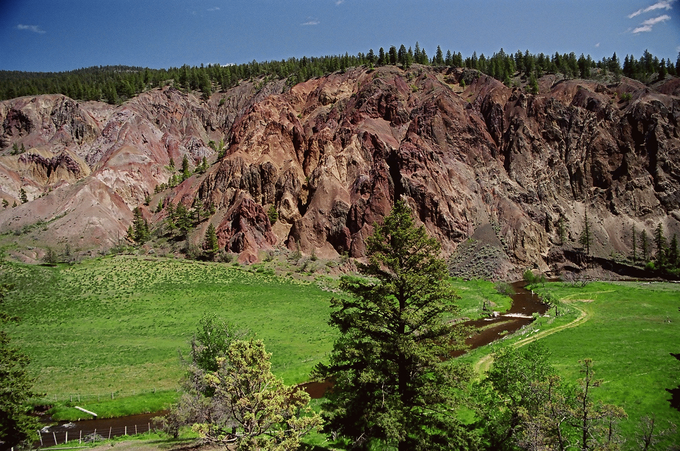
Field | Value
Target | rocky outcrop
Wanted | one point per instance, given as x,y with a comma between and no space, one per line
332,154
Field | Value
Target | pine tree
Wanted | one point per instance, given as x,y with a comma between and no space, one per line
644,245
185,168
586,238
183,220
562,230
439,57
660,242
392,378
381,57
210,243
139,230
22,196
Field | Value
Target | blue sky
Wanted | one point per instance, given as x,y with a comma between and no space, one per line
59,35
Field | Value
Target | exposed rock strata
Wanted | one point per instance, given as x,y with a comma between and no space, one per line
332,155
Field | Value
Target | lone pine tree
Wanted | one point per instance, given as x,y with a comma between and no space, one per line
393,378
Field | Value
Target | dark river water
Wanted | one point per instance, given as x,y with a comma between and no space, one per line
524,305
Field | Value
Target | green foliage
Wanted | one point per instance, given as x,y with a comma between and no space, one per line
562,230
115,84
273,214
532,279
391,381
504,288
212,339
210,243
50,257
268,414
182,218
22,196
139,230
508,392
629,330
16,388
660,243
185,168
523,402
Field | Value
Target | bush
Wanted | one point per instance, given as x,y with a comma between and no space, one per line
504,288
530,278
273,214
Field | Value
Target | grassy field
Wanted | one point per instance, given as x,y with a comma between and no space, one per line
629,329
105,334
115,325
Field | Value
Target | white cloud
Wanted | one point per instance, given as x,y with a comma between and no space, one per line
648,24
216,8
656,20
662,4
33,28
311,22
597,45
339,2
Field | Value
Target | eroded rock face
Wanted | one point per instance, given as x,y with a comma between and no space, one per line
334,153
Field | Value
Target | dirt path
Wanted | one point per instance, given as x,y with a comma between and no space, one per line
483,364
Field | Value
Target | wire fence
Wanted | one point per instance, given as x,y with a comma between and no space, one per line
75,434
92,397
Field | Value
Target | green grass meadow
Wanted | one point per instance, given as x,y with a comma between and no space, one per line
106,334
113,327
117,324
630,331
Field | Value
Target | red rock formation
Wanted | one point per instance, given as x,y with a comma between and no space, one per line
332,155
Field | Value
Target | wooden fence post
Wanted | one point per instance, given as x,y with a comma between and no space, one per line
41,440
66,440
110,432
55,438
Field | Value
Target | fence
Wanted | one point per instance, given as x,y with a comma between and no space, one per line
91,397
76,434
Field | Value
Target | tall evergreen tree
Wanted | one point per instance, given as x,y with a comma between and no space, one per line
586,237
644,245
393,377
139,230
185,168
439,57
660,243
210,243
393,55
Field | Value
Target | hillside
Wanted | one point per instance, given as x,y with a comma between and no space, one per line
332,154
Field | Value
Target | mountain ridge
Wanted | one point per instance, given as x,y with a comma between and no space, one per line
333,153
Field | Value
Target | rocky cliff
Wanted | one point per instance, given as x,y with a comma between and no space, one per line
474,158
